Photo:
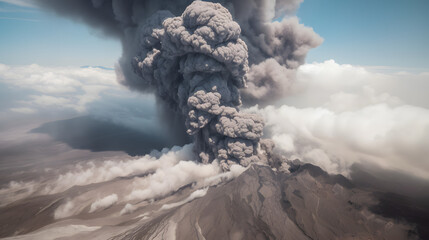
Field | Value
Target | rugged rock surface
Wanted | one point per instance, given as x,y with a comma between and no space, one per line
266,204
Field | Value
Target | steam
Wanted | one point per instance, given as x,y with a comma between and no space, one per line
65,210
149,177
194,195
169,179
129,208
104,203
90,172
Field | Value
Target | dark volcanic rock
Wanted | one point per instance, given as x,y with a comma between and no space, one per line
265,204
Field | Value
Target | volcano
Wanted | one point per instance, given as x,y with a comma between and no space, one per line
261,203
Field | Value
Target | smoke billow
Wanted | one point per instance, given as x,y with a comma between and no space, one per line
198,63
275,47
272,44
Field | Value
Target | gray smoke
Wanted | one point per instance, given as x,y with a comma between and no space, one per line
275,47
198,63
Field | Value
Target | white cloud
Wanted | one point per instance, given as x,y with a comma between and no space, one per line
163,173
63,87
17,190
194,195
167,179
154,175
48,101
21,3
341,114
103,203
67,91
317,83
23,110
129,208
64,210
395,137
91,172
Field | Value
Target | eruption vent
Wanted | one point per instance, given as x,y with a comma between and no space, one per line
197,62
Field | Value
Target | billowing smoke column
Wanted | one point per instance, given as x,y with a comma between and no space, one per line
197,62
276,48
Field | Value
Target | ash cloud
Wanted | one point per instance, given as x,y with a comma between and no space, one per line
283,44
198,63
274,46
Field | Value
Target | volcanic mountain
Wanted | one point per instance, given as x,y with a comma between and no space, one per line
261,203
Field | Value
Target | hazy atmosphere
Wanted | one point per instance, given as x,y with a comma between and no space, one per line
132,119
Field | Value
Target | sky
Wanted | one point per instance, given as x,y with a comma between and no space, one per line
367,33
34,36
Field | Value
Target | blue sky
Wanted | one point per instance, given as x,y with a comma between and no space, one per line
365,32
30,35
370,32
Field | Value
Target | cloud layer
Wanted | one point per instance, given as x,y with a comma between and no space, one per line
58,87
60,92
337,115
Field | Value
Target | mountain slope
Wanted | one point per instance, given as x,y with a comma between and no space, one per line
266,204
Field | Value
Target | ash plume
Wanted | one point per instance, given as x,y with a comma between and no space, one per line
273,46
198,63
